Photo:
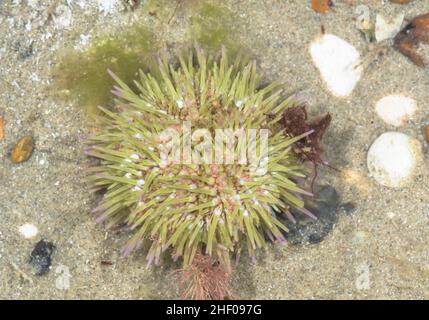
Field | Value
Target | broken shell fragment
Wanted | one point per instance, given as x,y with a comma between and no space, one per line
23,149
396,110
321,6
415,33
385,29
338,62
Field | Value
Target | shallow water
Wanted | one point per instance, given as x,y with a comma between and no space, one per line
377,251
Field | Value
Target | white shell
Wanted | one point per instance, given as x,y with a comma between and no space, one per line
392,159
338,63
385,30
396,109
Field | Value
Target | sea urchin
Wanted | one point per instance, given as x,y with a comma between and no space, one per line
161,166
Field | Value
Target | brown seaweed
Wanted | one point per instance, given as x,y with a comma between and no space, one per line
295,124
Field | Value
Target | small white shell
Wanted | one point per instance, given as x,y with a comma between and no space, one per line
387,30
28,230
396,109
392,159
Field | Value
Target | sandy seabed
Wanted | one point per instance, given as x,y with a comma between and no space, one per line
379,251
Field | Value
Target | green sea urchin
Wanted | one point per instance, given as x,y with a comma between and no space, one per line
209,207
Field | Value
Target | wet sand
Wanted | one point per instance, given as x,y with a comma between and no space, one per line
378,251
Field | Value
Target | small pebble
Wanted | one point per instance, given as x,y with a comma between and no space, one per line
338,63
28,230
396,109
23,149
40,257
392,159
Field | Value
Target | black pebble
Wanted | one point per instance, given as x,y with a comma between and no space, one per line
40,257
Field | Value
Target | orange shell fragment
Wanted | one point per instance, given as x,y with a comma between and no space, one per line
321,6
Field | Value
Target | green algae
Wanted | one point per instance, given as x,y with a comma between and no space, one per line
84,74
211,27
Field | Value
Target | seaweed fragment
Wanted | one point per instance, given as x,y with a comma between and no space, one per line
295,124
